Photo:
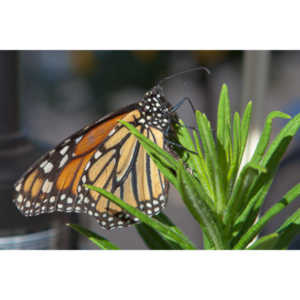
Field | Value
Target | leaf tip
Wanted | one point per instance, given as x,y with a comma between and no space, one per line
224,87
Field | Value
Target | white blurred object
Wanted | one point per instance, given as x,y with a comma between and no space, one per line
255,84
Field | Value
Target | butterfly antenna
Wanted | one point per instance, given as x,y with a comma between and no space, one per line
184,72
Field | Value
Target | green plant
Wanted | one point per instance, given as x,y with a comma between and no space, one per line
222,195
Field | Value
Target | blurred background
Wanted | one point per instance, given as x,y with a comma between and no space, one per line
47,95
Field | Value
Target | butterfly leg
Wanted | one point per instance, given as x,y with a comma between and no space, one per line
178,105
179,146
187,126
181,102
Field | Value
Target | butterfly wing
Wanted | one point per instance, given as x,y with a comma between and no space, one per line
105,155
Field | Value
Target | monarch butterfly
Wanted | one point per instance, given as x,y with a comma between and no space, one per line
104,154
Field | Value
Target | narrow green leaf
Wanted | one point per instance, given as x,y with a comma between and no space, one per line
271,161
271,165
153,239
272,157
194,161
206,147
250,213
212,161
185,138
289,197
167,231
202,170
234,166
265,178
224,121
98,240
164,169
223,165
238,198
288,231
151,147
164,161
265,243
285,134
186,141
167,221
245,128
206,243
221,123
193,195
265,136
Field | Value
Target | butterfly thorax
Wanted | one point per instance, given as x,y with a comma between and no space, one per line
156,110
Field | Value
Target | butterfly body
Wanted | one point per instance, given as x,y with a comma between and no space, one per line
104,154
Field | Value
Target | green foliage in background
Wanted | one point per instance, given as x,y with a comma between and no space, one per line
224,196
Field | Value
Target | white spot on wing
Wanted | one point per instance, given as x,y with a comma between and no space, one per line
66,141
64,150
78,139
112,132
20,198
48,167
97,154
47,186
43,164
63,161
87,165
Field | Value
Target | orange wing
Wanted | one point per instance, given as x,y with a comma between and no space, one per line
105,155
